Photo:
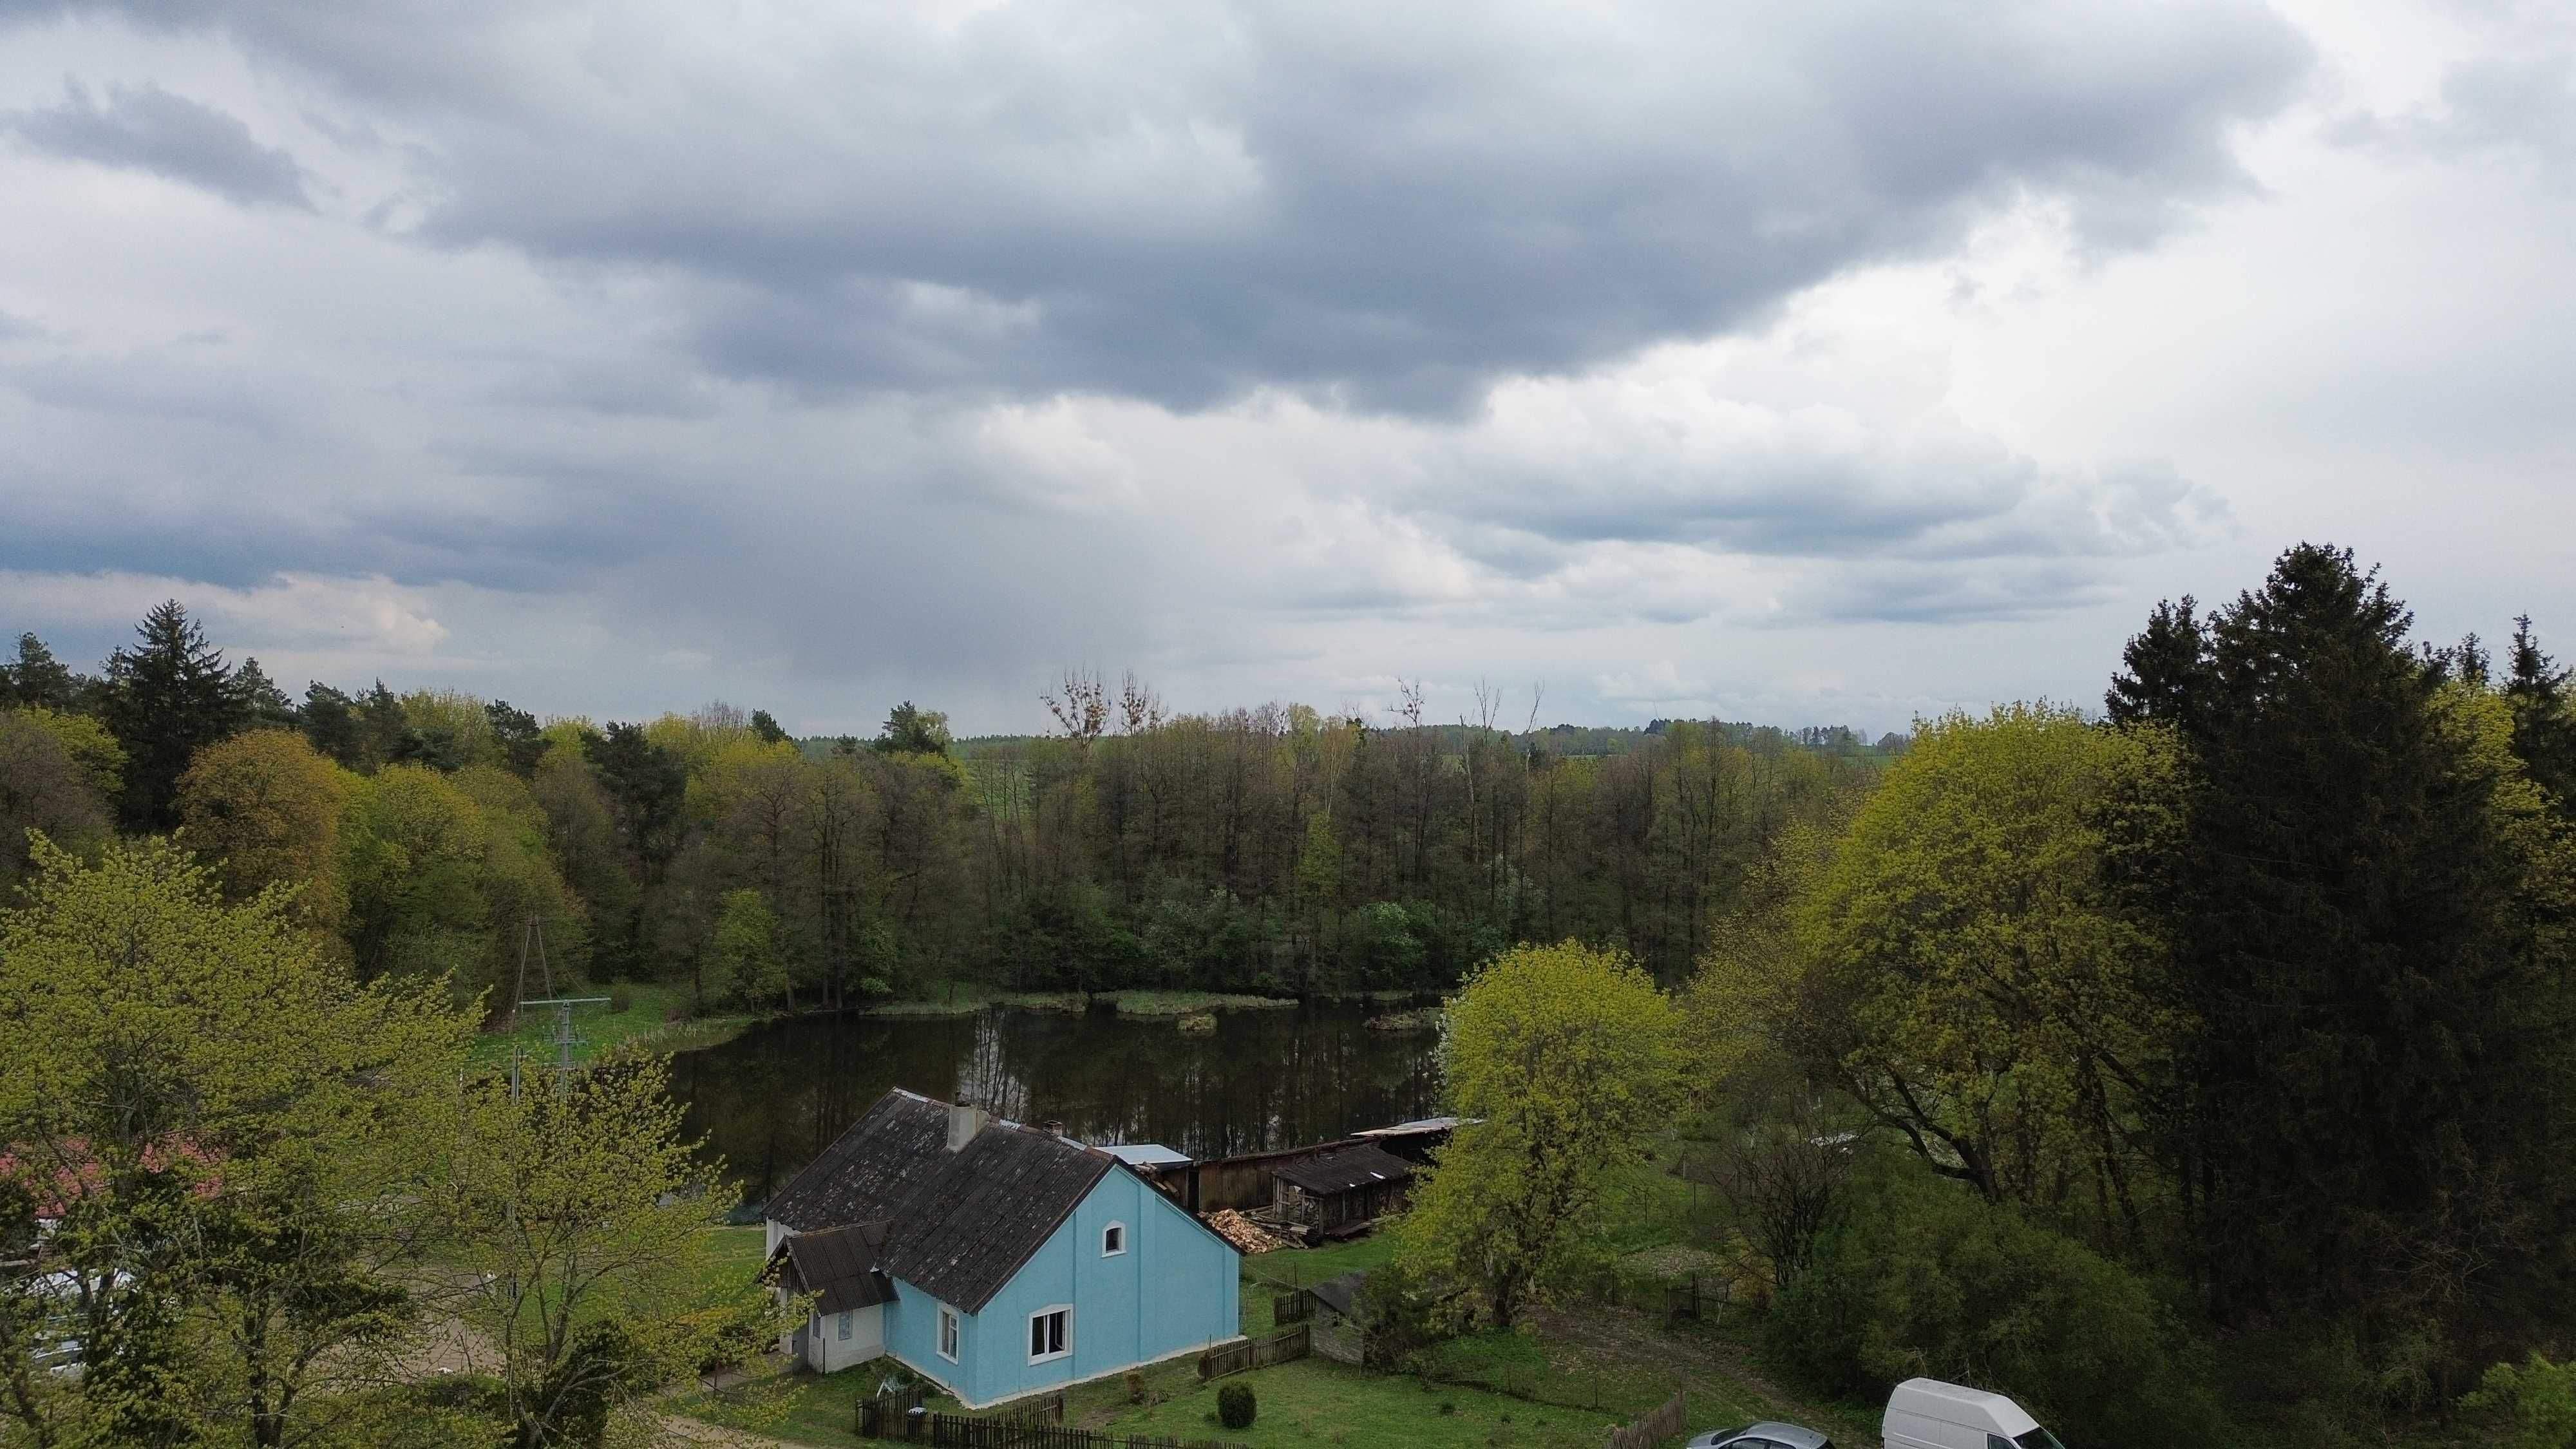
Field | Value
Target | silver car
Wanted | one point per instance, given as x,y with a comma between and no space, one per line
1766,1435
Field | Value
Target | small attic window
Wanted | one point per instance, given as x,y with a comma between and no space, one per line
1113,1240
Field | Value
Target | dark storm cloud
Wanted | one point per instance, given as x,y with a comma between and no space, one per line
1386,204
146,128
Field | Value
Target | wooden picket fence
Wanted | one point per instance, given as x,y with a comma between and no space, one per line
1653,1428
885,1416
1294,1307
1297,1342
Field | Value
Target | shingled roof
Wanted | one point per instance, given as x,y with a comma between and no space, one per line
958,1224
838,1265
1343,1171
865,1175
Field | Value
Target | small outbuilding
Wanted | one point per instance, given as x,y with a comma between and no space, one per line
1340,1193
841,1268
1413,1141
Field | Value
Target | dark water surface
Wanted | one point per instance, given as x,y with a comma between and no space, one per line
774,1097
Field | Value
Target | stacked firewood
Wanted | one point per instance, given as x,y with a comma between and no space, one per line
1246,1235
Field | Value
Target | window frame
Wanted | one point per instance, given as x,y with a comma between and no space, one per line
843,1330
1039,1317
952,1334
1113,1226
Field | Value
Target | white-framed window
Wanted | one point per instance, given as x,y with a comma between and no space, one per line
1051,1333
948,1333
845,1328
1113,1240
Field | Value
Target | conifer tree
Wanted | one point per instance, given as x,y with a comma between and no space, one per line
332,727
2367,1117
263,704
2544,716
38,680
2165,664
167,697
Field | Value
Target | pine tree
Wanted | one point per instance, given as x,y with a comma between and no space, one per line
38,680
385,735
263,704
167,697
2365,1119
2544,717
331,725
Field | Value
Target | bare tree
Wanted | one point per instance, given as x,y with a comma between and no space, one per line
1139,708
1080,706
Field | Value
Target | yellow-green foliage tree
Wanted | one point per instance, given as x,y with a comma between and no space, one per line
240,1145
580,1213
412,847
1958,964
1568,1057
264,808
90,744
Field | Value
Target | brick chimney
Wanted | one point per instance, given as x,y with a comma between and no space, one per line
964,1121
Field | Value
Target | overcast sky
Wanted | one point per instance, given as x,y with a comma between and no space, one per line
1820,363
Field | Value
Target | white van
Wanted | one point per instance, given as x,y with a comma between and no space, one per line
1929,1414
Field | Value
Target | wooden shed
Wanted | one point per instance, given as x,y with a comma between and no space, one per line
1341,1192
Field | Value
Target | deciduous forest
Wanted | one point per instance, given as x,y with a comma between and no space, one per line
2201,1066
1273,849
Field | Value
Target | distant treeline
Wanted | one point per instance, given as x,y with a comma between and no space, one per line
1272,849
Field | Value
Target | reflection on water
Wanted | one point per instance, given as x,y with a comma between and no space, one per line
772,1098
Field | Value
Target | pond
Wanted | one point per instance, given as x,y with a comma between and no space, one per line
771,1099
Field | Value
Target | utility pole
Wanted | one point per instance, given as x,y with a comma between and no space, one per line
565,1041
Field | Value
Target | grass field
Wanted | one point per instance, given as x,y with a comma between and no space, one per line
1185,1003
644,1023
965,998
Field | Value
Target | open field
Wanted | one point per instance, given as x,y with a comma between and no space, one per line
644,1023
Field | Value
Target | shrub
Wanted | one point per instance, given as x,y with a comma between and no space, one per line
1235,1406
1923,1277
621,997
2536,1403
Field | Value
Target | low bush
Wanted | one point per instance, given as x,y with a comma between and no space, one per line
1922,1277
2534,1405
1235,1406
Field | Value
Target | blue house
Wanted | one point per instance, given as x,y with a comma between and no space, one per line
993,1258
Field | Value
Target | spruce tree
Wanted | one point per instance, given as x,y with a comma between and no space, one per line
2544,717
2165,665
167,697
2365,1119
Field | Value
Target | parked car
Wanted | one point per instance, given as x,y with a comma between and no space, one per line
1766,1435
1929,1414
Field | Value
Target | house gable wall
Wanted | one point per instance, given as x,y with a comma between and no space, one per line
1174,1289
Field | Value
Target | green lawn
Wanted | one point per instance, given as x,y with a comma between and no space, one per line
1316,1401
